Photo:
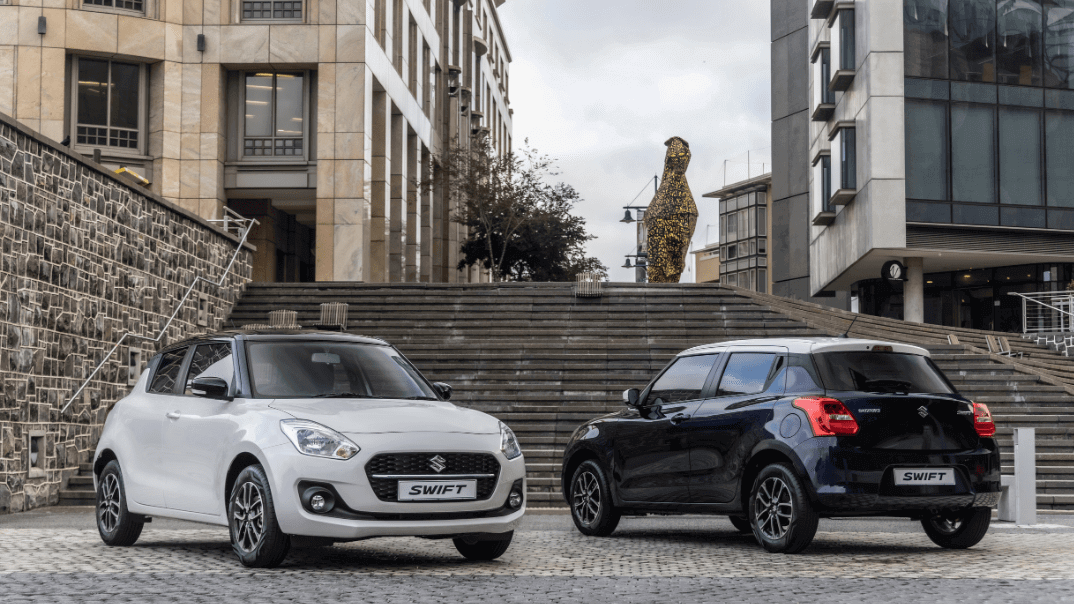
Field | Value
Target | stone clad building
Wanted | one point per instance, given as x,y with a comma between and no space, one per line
315,116
86,258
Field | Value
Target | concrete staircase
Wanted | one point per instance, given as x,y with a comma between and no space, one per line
544,361
79,489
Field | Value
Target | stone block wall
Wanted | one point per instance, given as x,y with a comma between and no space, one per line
85,258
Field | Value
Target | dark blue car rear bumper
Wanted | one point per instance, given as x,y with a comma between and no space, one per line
849,480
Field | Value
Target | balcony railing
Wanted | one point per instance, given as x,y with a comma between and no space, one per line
1047,312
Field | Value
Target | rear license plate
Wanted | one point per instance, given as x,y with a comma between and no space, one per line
924,476
435,490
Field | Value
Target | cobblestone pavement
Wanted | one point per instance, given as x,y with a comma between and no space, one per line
646,560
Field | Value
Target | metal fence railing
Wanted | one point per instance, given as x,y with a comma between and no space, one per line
1047,312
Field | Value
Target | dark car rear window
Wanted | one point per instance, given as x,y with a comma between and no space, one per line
867,371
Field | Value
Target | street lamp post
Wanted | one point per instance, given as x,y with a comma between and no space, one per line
640,252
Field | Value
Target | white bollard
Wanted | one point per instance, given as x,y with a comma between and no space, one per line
1018,503
1025,475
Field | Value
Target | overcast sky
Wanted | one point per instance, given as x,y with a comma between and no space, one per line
601,84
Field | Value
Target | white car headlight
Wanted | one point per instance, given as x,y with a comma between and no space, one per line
311,438
508,442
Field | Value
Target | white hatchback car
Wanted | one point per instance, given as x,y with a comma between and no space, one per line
307,438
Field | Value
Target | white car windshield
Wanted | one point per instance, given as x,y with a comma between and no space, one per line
283,369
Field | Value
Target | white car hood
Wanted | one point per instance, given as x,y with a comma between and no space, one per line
383,416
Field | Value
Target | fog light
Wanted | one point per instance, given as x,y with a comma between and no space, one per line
514,500
318,500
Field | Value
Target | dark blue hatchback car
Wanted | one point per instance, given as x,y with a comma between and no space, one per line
779,433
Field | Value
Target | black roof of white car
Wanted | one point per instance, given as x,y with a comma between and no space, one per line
285,334
807,345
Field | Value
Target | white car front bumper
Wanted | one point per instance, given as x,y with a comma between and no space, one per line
361,514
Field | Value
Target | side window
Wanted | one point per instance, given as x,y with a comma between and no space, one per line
211,360
802,376
684,380
746,373
167,372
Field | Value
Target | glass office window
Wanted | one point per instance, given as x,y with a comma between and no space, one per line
826,183
973,153
827,96
848,149
972,29
845,40
1019,160
1059,131
274,123
1020,42
1059,43
926,150
925,38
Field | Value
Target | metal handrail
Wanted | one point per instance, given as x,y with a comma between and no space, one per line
1038,299
243,226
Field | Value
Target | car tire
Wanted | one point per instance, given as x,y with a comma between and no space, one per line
115,523
483,550
780,514
741,523
958,530
255,534
590,498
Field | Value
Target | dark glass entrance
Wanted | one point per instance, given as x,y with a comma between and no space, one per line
974,299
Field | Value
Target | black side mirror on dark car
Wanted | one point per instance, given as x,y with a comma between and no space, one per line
210,387
444,390
631,397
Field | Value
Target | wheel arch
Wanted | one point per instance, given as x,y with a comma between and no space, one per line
577,458
765,454
106,455
241,461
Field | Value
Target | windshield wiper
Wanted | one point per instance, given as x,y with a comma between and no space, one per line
341,395
418,398
888,385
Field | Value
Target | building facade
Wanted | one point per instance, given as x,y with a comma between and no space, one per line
707,263
934,133
317,117
745,252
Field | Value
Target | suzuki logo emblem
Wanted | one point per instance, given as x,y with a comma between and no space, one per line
922,411
437,464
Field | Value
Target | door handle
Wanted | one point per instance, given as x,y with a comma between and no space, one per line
174,415
680,418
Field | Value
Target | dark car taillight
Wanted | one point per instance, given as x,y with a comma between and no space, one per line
982,420
828,417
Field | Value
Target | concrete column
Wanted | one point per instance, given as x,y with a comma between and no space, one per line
380,189
425,269
913,303
397,218
413,216
440,220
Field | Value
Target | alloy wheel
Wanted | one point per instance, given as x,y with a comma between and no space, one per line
248,510
108,508
586,498
773,508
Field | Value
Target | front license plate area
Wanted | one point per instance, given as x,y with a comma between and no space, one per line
437,490
924,476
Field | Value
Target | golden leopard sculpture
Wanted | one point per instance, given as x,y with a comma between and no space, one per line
671,217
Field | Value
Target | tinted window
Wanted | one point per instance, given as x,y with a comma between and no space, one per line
684,380
880,372
926,150
167,371
211,360
802,376
972,29
332,369
925,35
746,373
1019,160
